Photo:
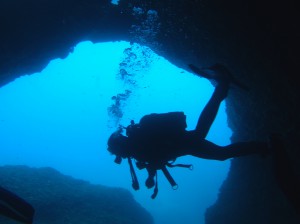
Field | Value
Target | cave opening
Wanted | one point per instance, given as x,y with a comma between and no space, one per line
62,117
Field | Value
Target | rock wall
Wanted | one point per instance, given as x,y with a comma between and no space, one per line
58,198
257,40
35,32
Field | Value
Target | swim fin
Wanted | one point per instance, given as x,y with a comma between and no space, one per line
213,73
14,207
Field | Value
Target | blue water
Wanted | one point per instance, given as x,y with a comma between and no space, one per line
59,118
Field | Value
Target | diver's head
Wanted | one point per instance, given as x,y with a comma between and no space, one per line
117,145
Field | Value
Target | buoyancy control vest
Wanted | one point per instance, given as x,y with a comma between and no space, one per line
155,128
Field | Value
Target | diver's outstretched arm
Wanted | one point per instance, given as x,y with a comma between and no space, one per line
210,111
151,174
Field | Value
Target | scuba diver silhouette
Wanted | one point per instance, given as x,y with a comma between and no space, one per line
155,146
14,207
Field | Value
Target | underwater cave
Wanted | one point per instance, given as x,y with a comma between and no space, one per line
246,37
67,112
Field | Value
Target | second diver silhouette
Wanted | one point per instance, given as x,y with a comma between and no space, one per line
14,207
155,147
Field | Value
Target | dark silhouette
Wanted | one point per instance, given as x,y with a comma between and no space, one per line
209,74
285,174
14,207
155,152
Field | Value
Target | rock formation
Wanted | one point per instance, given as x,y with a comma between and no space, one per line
62,199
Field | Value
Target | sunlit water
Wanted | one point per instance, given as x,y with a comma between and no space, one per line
59,118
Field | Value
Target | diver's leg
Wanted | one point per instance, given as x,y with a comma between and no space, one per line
209,150
210,111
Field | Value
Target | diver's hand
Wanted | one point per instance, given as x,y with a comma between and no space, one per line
150,182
